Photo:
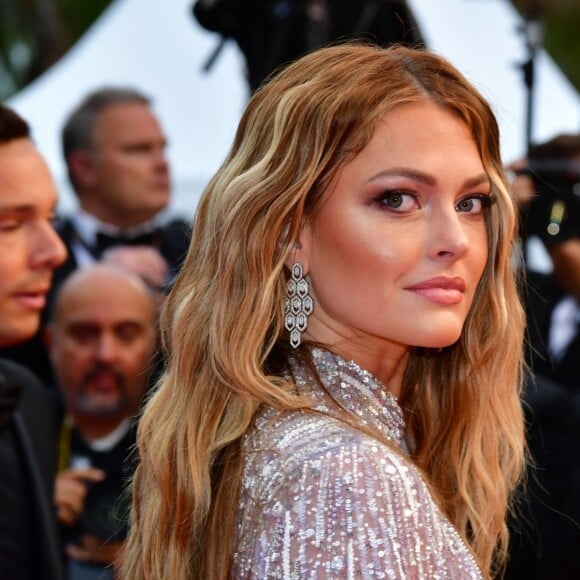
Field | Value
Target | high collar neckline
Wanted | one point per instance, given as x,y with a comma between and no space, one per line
355,389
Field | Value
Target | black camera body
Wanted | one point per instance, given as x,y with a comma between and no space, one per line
554,212
106,510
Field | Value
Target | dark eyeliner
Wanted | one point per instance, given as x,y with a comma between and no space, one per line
487,200
386,193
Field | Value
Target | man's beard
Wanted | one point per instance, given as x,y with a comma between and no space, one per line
88,403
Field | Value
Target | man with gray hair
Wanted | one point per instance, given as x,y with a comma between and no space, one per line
114,149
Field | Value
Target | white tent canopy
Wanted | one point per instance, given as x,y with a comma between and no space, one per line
159,48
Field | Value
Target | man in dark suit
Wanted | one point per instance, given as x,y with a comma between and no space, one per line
30,250
553,322
553,300
114,148
546,536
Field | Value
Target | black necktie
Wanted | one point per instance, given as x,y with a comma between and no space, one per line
106,241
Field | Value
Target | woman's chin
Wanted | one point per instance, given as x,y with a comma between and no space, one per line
441,340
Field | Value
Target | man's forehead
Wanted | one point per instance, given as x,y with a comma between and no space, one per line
19,146
89,306
78,310
127,120
72,320
125,116
117,304
25,180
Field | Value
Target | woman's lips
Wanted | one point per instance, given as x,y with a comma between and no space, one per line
440,295
441,290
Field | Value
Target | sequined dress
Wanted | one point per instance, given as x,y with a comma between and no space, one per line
322,500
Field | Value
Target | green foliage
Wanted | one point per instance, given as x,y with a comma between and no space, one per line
561,19
562,40
34,34
78,16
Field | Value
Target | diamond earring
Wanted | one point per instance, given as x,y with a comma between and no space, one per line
298,305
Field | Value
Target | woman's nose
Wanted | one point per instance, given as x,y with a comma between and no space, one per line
449,238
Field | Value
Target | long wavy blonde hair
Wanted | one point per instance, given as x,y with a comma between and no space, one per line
223,320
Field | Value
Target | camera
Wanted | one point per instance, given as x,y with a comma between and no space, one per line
554,212
106,509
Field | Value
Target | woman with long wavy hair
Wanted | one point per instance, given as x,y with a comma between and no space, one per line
342,395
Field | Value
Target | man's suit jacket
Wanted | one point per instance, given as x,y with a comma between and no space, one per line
171,239
545,528
545,525
34,426
541,297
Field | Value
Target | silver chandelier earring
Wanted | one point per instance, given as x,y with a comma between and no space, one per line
298,305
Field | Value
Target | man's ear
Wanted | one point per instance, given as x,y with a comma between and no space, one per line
82,166
301,249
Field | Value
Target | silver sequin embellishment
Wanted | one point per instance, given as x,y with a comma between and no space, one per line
321,500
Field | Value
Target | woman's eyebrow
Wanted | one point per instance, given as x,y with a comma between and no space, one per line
427,179
407,173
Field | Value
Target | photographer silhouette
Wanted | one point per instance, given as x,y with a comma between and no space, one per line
271,33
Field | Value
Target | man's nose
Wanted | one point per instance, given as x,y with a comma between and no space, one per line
160,160
48,249
106,348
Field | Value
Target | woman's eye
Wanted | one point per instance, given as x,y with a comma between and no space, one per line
394,200
398,200
475,204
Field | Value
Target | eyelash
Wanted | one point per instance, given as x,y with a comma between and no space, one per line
485,199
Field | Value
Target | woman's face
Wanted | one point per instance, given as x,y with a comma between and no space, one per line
398,244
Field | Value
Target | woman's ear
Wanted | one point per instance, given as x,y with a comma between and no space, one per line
301,248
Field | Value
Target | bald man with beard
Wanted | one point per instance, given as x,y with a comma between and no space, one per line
102,341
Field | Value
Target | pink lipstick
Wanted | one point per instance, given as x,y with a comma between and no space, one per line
441,290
